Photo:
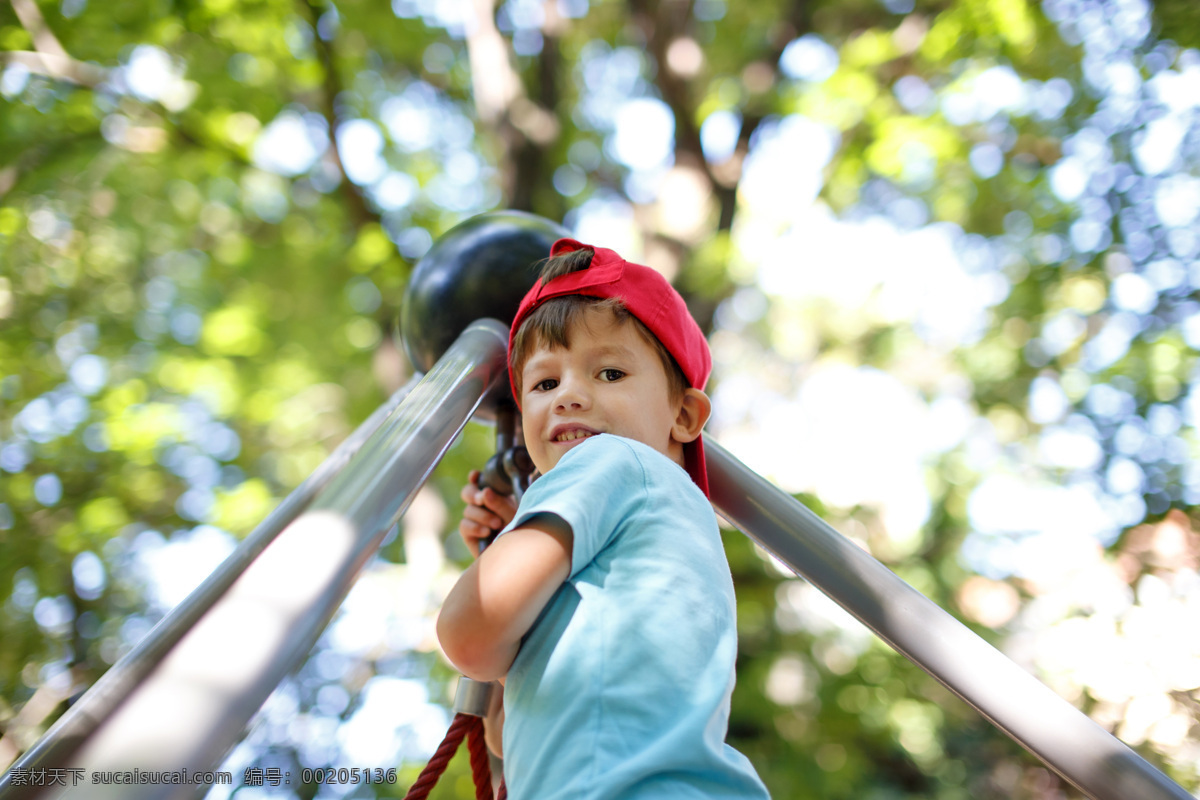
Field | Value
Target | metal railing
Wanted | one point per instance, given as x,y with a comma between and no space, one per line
1066,739
182,700
186,697
82,718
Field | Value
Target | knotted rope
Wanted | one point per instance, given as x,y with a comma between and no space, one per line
472,728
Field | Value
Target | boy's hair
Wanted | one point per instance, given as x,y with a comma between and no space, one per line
550,324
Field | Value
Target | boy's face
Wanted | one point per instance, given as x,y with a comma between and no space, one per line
610,380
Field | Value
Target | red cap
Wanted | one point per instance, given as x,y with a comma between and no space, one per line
651,299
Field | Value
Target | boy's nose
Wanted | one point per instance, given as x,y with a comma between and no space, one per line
572,394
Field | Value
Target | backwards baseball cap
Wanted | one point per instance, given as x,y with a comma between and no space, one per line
649,297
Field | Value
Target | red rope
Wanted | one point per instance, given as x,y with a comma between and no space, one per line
472,728
479,761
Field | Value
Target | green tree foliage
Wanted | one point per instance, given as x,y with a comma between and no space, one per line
979,213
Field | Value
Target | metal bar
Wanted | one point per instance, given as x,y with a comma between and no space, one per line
82,718
1070,743
193,706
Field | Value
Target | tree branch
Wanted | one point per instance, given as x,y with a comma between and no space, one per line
524,127
359,210
60,67
796,24
44,40
663,24
494,82
48,56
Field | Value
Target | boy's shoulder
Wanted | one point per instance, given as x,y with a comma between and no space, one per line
601,455
606,447
624,460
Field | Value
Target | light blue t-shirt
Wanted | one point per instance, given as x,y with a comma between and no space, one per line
622,687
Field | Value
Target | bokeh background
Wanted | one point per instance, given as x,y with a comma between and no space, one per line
946,251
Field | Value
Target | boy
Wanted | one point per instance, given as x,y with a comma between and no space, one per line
606,605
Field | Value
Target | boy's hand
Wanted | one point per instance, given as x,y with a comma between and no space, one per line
487,512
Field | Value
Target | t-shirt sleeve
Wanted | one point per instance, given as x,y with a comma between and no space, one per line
593,488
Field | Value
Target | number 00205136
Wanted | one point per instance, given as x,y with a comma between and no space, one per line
326,775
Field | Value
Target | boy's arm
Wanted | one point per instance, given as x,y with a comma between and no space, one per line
499,597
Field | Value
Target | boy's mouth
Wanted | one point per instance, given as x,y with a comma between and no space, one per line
572,434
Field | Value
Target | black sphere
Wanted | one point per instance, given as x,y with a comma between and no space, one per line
481,267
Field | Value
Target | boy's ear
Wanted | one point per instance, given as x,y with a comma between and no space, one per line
694,411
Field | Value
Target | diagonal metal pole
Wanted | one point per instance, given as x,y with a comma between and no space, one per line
1067,740
190,709
86,714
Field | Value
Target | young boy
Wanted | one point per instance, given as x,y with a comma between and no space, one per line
606,605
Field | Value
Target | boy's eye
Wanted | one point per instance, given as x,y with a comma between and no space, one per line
611,374
545,385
